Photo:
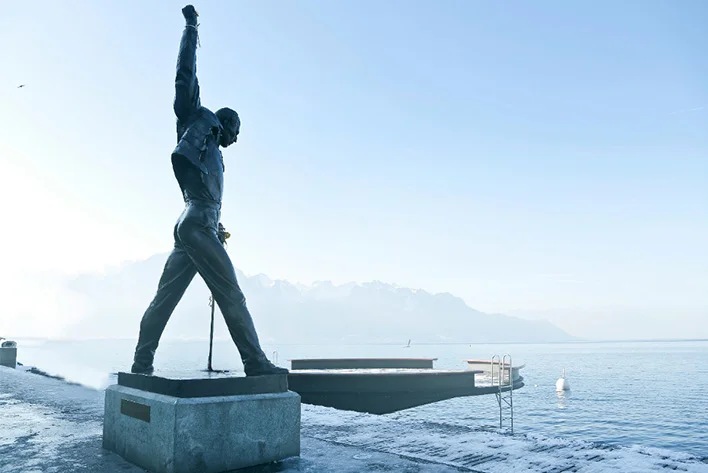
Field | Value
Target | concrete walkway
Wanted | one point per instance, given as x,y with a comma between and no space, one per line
50,426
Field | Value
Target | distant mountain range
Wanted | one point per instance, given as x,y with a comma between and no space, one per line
283,312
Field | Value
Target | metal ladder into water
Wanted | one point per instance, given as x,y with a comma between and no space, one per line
503,379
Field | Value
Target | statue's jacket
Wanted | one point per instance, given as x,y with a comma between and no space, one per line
196,160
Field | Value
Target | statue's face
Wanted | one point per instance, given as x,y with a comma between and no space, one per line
229,135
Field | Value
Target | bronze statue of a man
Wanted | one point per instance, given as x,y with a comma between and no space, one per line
198,166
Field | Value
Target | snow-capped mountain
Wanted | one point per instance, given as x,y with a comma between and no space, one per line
295,313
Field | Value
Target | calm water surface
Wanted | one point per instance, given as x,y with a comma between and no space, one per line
647,393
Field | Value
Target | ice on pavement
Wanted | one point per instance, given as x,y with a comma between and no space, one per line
486,451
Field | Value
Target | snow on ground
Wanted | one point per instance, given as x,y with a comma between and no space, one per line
485,451
50,426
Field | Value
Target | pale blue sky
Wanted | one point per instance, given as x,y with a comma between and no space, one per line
521,155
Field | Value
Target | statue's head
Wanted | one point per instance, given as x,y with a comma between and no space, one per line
231,124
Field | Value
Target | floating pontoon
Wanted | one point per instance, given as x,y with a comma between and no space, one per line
385,385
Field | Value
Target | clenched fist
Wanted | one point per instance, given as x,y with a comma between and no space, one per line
190,15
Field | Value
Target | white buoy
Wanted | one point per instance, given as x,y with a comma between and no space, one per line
562,384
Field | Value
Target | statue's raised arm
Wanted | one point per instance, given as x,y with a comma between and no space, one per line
186,83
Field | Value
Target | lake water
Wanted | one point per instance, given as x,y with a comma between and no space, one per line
631,393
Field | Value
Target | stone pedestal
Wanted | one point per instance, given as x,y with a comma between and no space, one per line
201,422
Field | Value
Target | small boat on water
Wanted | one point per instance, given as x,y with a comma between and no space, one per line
385,385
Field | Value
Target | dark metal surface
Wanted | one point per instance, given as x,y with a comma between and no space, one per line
135,410
199,169
203,384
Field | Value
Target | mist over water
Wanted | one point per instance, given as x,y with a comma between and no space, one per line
629,393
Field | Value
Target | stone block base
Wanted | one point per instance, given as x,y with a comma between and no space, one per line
166,434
